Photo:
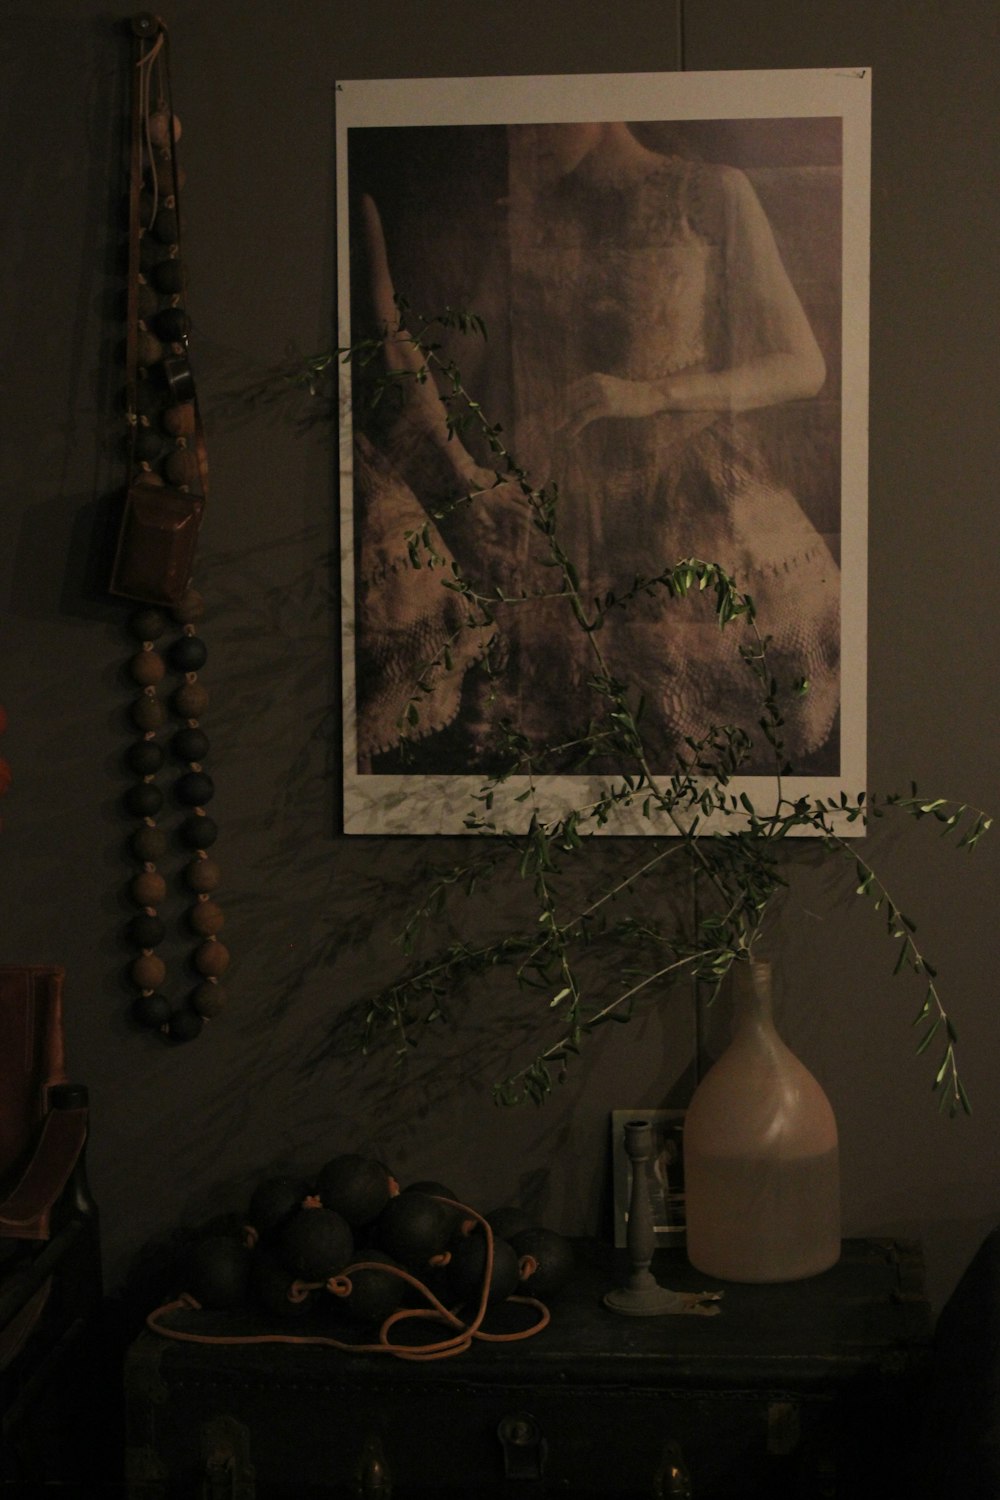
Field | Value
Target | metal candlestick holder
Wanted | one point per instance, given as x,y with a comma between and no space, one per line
642,1297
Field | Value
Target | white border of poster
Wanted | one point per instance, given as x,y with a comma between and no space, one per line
401,802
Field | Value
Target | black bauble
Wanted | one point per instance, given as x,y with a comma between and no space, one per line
188,654
152,1010
194,789
198,833
144,800
271,1282
145,758
185,1024
315,1244
190,744
439,1190
219,1272
146,931
508,1221
374,1294
412,1228
467,1268
357,1187
554,1254
273,1203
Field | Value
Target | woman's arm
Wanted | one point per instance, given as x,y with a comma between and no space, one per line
424,415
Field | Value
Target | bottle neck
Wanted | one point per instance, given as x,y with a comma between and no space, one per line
753,1006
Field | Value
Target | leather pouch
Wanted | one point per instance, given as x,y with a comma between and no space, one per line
156,543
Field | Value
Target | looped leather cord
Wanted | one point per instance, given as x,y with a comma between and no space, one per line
462,1336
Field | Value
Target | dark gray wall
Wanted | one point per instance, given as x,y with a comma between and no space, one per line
312,917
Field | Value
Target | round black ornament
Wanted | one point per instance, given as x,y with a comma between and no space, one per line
144,800
554,1259
190,745
147,624
165,226
146,445
185,1024
152,1010
413,1228
146,931
151,252
315,1244
219,1271
149,845
356,1187
194,789
145,758
168,277
467,1268
271,1284
188,654
171,324
273,1203
198,833
374,1294
507,1221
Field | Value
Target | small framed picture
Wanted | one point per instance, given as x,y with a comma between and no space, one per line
664,1173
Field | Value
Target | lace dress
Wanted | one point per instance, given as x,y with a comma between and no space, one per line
678,271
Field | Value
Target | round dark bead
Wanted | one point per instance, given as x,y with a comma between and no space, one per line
146,444
273,1203
171,324
194,789
145,757
151,252
271,1284
190,744
209,999
148,712
315,1244
151,1010
146,931
467,1268
553,1256
149,845
165,226
181,467
356,1187
375,1294
190,701
220,1272
185,1025
189,607
189,654
148,624
412,1228
198,833
168,277
144,800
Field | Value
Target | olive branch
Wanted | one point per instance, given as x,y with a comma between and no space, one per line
732,847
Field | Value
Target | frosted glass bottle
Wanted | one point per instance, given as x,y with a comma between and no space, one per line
761,1163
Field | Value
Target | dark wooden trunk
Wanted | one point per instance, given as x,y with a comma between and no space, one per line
802,1389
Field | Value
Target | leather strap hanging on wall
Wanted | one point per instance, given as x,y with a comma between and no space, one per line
168,469
165,498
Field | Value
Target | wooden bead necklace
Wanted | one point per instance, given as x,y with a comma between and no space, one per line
196,833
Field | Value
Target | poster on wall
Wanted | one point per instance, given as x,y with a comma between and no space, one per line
603,325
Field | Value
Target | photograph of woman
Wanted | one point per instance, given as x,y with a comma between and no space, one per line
651,358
